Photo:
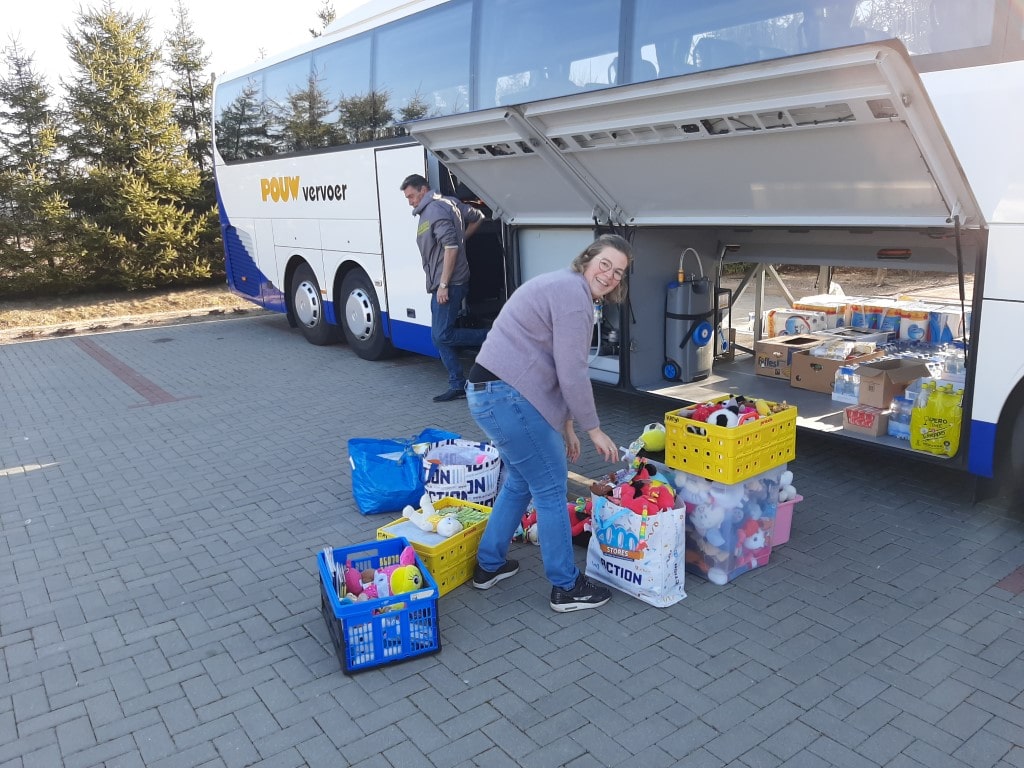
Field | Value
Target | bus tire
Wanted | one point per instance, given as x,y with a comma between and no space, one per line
308,308
362,323
1010,475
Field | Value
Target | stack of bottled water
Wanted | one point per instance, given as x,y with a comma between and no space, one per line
847,384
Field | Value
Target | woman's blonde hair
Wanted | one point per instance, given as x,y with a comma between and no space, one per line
617,294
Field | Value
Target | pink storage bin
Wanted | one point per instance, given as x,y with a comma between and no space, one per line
784,520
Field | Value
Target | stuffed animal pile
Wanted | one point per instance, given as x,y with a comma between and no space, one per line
729,527
371,583
579,512
734,411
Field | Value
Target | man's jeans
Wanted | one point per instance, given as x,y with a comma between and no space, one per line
535,467
447,338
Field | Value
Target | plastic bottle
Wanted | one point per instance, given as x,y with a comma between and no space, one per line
847,385
919,423
899,417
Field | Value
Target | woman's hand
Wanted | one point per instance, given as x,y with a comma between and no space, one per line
604,445
572,443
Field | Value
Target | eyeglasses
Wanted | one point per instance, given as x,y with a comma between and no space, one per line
605,266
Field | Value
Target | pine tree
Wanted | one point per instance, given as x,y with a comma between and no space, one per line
192,87
301,121
134,177
242,124
33,213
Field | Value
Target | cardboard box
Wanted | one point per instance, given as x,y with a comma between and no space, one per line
818,374
865,419
857,334
882,380
836,308
772,357
792,322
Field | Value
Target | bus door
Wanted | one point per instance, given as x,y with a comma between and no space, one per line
403,296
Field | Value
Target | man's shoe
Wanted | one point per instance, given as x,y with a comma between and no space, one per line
486,579
584,594
451,394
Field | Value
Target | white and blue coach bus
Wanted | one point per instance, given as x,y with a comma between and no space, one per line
819,132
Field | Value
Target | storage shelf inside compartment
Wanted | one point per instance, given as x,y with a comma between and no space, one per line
815,411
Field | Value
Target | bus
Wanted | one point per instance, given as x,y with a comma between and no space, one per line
833,133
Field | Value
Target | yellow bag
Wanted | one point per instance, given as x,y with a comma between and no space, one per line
935,427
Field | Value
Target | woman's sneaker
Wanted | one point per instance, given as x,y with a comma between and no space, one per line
584,594
486,579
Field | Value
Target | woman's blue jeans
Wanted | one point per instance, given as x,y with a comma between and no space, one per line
535,467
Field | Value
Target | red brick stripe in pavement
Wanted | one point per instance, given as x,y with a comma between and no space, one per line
154,394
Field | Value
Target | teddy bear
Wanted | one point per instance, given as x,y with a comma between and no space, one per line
707,520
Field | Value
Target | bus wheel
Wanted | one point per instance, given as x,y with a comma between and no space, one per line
308,308
1011,476
362,324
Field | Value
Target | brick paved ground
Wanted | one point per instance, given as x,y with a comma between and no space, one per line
163,494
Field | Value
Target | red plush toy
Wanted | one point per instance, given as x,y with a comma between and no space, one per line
580,513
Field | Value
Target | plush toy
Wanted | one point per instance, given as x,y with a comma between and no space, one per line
448,525
387,581
693,491
580,515
701,412
786,489
754,548
529,525
426,518
653,437
707,519
723,417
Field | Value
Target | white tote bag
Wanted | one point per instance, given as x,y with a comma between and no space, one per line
641,555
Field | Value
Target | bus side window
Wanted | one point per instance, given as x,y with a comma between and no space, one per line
715,53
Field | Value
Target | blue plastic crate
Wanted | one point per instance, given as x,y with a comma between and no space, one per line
382,631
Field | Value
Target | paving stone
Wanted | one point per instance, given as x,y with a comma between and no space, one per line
181,626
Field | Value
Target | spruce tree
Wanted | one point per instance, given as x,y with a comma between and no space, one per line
134,177
193,88
34,243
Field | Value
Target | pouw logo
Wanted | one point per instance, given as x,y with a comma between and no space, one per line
281,189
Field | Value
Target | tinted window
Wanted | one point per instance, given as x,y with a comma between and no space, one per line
295,105
242,119
536,49
421,66
344,70
929,26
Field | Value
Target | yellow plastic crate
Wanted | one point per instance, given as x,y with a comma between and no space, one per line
729,454
450,560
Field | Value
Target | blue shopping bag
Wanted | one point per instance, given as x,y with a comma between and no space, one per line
387,474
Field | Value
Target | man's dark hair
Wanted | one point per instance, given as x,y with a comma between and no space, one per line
414,180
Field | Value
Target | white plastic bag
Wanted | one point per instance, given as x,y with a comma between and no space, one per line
643,556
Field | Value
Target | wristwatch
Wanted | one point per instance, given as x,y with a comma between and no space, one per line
442,285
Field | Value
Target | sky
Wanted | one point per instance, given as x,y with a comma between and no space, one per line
233,32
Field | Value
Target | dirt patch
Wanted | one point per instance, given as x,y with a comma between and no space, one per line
25,320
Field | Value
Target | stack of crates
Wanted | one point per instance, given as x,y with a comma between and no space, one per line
730,487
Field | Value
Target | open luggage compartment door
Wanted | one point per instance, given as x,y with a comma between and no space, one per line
842,138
